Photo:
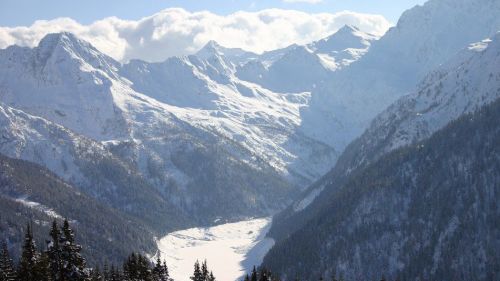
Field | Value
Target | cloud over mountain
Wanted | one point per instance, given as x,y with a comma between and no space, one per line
176,31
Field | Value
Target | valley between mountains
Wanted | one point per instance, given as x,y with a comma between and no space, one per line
356,155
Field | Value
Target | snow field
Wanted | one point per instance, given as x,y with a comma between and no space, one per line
231,249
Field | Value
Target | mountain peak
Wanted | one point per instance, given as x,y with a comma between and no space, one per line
347,28
211,48
68,45
51,40
236,55
348,36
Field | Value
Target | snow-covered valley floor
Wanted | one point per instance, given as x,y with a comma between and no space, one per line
230,249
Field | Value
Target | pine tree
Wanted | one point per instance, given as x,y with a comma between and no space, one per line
254,274
197,274
211,277
54,253
247,278
7,271
95,275
137,268
73,264
29,258
263,275
115,275
160,271
204,271
42,268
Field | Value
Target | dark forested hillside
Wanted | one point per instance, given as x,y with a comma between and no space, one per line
427,211
27,191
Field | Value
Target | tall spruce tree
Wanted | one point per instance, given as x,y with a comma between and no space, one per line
54,253
29,258
73,264
7,271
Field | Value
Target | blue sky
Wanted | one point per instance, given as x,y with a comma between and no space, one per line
25,12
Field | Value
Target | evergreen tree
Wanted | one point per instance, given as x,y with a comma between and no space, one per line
264,275
204,271
54,253
137,268
160,271
197,274
29,258
253,277
73,264
95,275
115,275
7,271
211,277
247,278
42,268
106,273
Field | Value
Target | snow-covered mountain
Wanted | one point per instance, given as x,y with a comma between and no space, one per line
405,148
462,85
161,117
423,212
67,81
468,81
424,37
130,107
426,148
303,68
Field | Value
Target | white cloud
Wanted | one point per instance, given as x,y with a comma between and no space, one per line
176,31
303,1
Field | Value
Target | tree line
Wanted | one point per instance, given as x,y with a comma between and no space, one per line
62,261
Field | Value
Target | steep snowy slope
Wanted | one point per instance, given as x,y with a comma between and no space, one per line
465,83
462,85
425,37
424,212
